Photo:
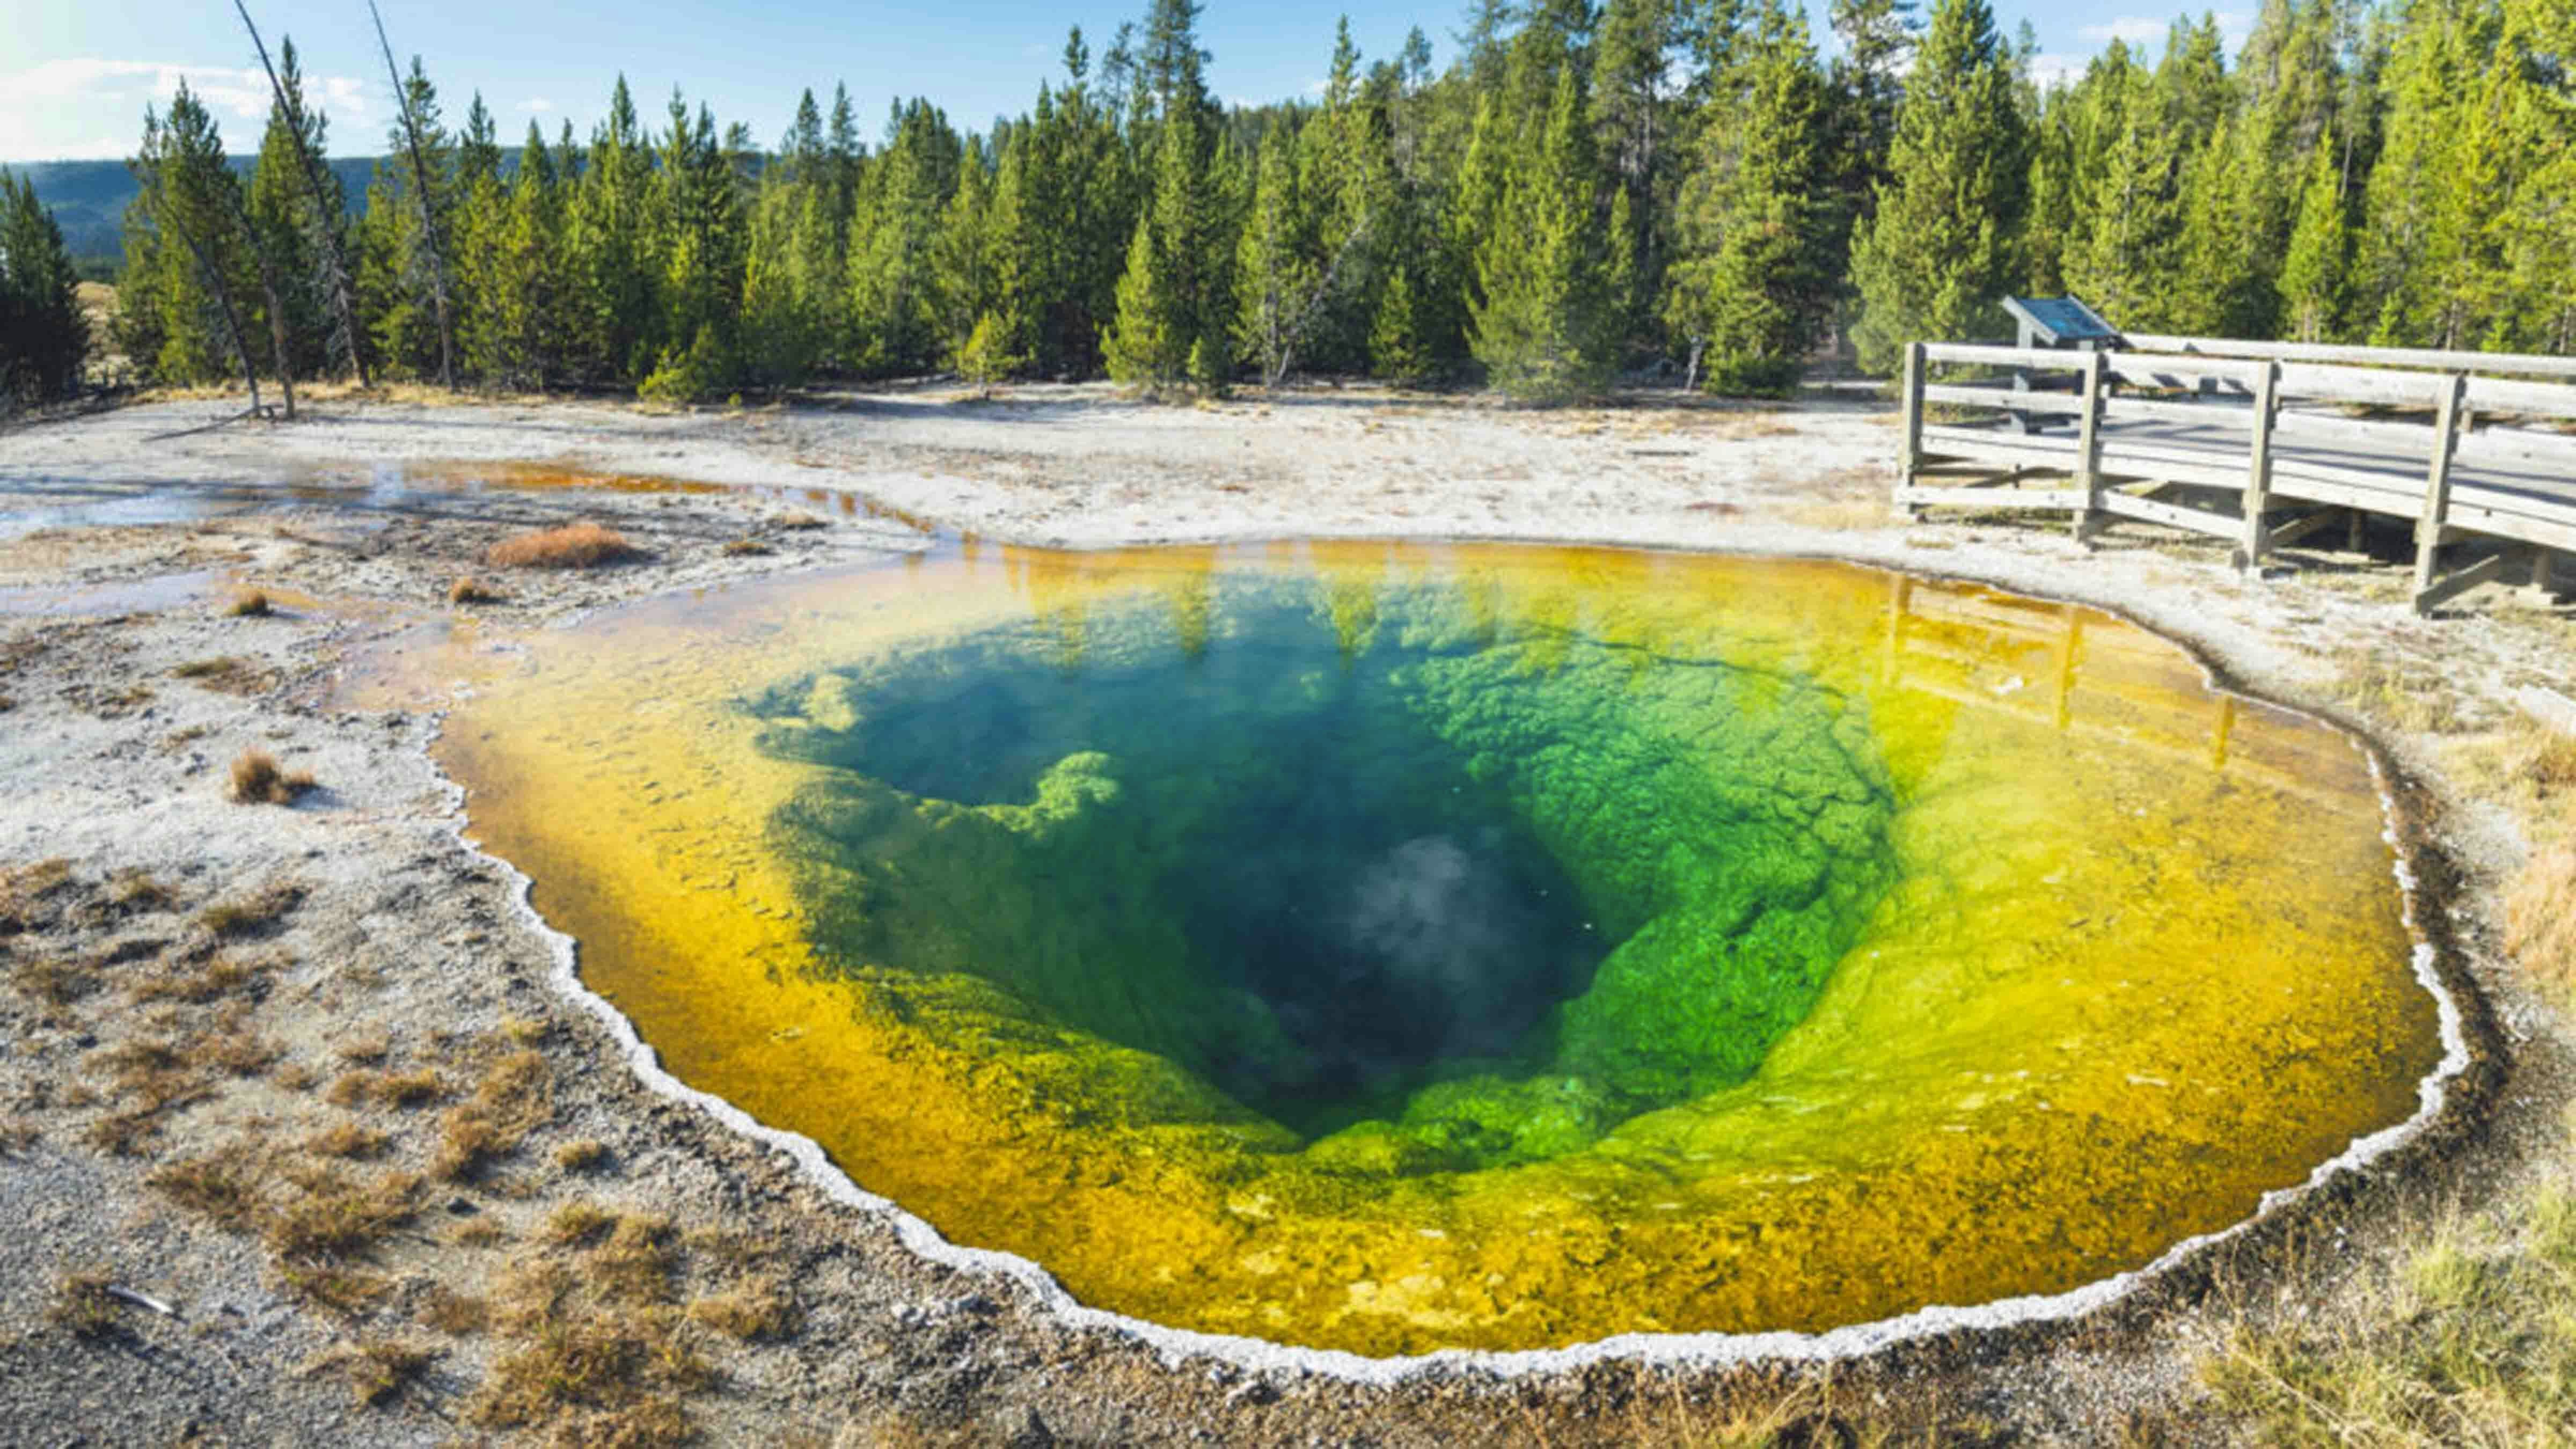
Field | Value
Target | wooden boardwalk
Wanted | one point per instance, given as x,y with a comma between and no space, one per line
2263,444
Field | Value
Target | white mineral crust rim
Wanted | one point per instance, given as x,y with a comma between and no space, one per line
1682,1349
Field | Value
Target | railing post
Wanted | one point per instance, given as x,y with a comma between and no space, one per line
2437,485
1910,466
2258,474
1914,380
2088,446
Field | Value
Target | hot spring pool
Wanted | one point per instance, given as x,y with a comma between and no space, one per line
1401,948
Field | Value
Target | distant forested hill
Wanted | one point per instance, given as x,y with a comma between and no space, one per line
88,197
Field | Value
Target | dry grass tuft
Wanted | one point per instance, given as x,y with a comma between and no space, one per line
2468,1341
349,1141
577,1223
481,1232
254,913
747,548
56,983
398,1089
249,604
598,1377
365,1050
336,1218
451,1312
27,891
2413,699
574,546
257,780
471,590
228,1185
136,890
377,1370
803,522
151,1077
83,1307
637,1263
584,1154
225,674
2540,916
417,1088
348,1292
199,983
751,1312
17,1134
515,1097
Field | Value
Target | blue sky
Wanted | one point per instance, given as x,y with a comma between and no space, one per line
77,74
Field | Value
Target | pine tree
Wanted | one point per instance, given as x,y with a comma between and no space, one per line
1174,320
2313,274
44,338
1756,282
1402,345
278,211
404,267
1638,118
1145,347
968,264
418,140
524,288
2536,233
2225,265
700,243
1938,255
1277,263
893,267
2408,231
196,202
1867,89
613,337
1543,326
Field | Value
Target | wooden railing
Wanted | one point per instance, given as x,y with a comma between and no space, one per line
2183,432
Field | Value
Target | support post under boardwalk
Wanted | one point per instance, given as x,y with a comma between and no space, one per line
2088,448
2258,475
2437,485
2544,569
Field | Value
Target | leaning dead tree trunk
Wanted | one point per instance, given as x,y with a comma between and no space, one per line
223,299
1284,352
428,214
279,351
326,220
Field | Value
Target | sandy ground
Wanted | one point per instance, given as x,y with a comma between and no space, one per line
297,1073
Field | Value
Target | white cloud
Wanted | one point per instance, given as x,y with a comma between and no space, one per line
57,109
2050,69
538,104
2135,29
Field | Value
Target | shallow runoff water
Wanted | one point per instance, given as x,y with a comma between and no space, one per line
1396,948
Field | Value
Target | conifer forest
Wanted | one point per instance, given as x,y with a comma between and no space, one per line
1700,190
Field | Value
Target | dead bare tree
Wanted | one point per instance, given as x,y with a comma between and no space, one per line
326,214
1283,347
278,348
429,228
